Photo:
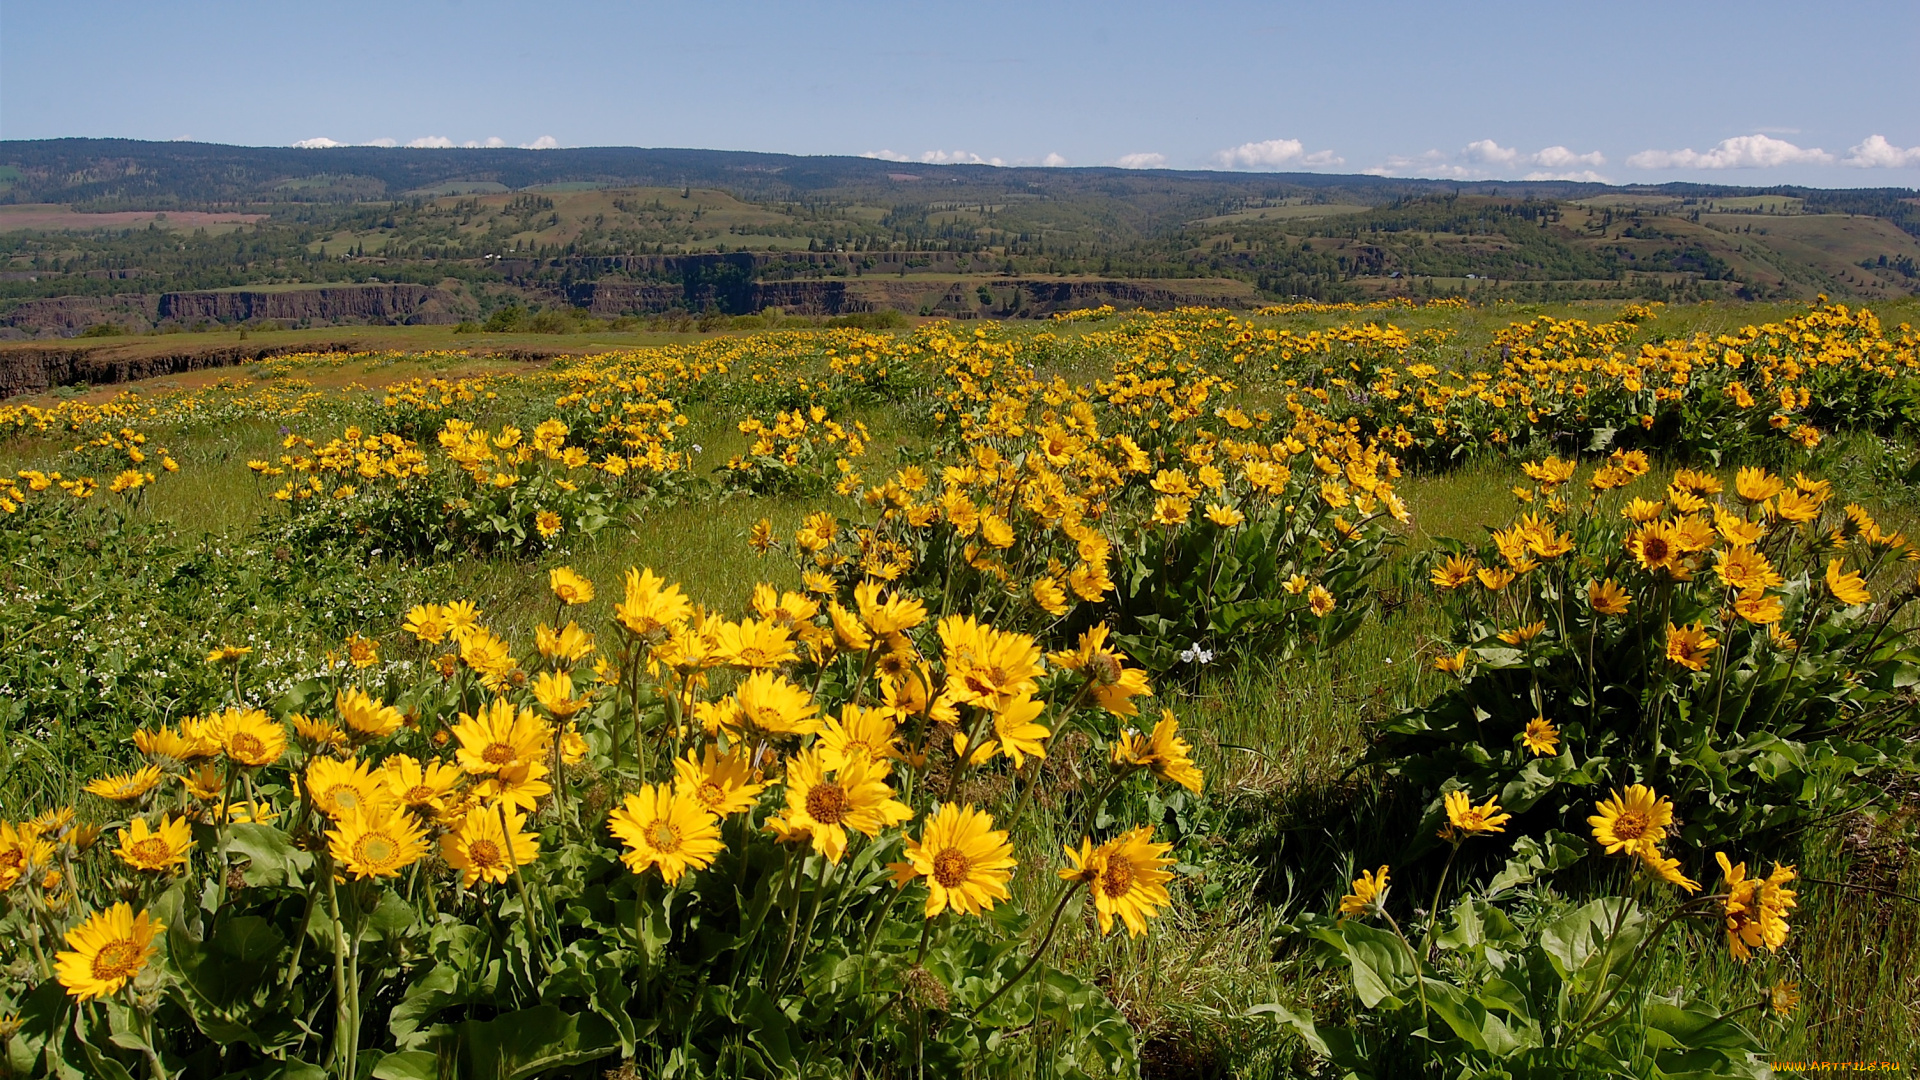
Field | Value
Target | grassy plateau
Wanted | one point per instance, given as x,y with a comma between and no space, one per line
1353,550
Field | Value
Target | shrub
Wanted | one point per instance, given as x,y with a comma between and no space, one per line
1722,644
491,860
1554,989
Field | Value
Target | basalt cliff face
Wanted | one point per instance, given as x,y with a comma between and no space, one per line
343,303
612,298
320,304
29,369
1028,297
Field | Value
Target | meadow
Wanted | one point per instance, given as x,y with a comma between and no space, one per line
1332,690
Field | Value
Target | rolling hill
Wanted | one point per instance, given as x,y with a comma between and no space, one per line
102,232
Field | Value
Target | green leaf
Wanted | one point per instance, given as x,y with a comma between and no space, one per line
1461,1013
768,1027
273,861
408,1065
1696,1028
1581,938
1302,1025
1383,966
522,1044
1532,858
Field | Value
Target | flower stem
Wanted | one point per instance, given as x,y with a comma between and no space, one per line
1039,951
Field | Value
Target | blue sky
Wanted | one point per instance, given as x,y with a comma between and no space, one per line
1756,92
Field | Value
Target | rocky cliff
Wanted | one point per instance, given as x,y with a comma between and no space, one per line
323,304
611,298
67,315
28,369
1029,297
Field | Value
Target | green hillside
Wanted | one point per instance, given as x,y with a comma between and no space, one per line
565,228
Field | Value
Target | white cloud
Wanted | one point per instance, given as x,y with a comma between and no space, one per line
1273,153
958,157
1256,155
384,140
1488,152
1486,159
493,142
544,142
431,142
1585,176
1142,160
936,157
1434,163
1559,157
1053,161
1878,153
1740,152
318,143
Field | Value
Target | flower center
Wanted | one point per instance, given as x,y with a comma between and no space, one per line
343,798
663,837
710,794
375,850
1655,549
245,745
484,854
152,851
117,960
827,803
1631,825
421,793
1117,879
950,867
497,754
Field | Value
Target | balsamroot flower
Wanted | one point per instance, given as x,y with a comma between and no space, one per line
340,788
965,861
1540,736
1465,819
488,844
1848,588
156,850
769,703
652,608
1020,737
1369,894
1164,752
821,808
377,841
1690,646
722,783
1126,875
248,738
107,950
500,737
126,787
1626,820
423,787
1754,912
366,717
1112,684
568,587
665,828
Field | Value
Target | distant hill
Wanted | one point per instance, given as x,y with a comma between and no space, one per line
597,227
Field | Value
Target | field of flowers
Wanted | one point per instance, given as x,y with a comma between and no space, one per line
1327,691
